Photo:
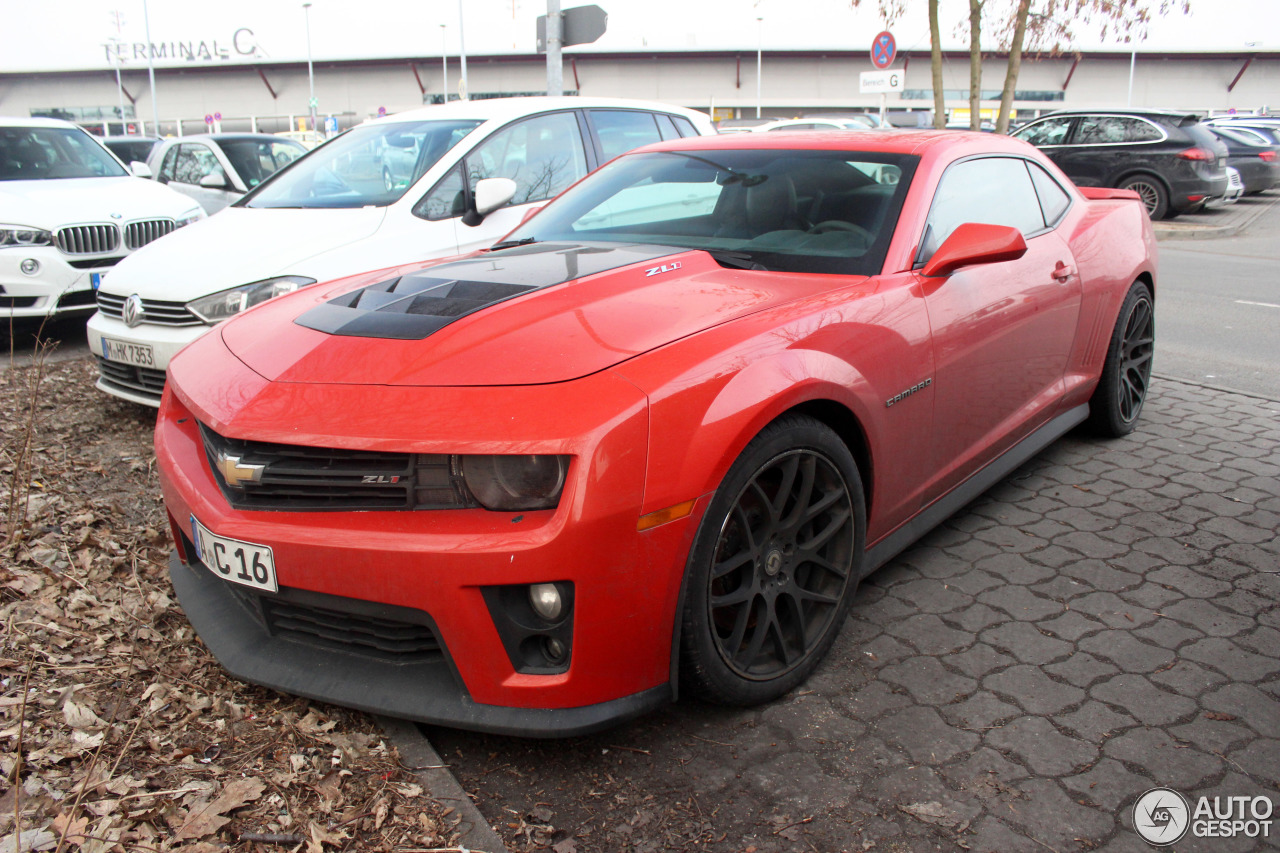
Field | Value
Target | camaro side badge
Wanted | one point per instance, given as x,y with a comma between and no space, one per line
898,398
674,265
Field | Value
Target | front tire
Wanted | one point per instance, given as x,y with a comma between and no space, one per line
774,565
1126,374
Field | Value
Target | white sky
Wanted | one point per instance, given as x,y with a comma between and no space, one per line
71,34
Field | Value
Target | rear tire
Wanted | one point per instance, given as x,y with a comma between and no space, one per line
1152,192
774,565
1126,373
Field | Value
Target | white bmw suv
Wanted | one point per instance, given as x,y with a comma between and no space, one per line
69,211
465,174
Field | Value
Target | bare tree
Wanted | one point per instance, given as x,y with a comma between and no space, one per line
1015,65
975,64
935,47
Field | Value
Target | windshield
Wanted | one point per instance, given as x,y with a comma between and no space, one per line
255,160
49,153
796,211
370,165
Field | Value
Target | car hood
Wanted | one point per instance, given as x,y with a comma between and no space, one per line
52,204
237,246
535,315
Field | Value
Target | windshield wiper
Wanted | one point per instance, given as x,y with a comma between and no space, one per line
507,244
736,260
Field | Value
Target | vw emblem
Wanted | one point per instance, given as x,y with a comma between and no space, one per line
132,311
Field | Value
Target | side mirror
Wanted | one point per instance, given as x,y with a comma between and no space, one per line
490,194
140,169
214,182
975,243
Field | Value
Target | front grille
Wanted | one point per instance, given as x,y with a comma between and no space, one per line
294,477
93,263
139,234
88,239
126,377
382,638
153,311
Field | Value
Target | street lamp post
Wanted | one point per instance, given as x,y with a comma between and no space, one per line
463,91
444,63
151,73
759,61
311,77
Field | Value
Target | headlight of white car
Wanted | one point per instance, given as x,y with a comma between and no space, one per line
24,236
225,304
193,215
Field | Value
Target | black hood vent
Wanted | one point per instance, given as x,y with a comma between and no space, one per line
411,307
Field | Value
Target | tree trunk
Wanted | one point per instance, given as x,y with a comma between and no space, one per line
935,40
975,64
1015,65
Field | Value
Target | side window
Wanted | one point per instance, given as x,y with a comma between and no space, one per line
1051,131
666,127
167,168
447,200
1101,130
1137,130
194,163
621,130
543,155
1054,200
685,126
993,190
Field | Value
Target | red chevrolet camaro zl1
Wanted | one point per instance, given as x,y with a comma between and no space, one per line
654,438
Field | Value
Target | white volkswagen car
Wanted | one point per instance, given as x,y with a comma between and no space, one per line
69,211
478,168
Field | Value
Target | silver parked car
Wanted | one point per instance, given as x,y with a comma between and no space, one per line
215,169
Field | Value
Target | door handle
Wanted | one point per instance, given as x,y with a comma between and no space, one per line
1062,273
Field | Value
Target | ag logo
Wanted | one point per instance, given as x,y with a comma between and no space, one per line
1161,816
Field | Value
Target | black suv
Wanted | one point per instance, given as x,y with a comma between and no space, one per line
1169,158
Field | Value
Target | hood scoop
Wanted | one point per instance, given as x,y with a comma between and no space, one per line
412,307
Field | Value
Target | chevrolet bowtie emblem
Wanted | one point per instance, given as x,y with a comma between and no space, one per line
235,474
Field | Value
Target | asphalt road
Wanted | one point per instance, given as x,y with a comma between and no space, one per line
1218,309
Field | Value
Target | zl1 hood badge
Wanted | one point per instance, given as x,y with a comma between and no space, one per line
674,265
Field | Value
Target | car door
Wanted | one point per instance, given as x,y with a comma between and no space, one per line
543,154
1002,332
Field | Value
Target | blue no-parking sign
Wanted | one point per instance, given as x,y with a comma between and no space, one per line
883,50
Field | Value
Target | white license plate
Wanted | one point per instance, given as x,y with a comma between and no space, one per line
139,355
234,560
95,279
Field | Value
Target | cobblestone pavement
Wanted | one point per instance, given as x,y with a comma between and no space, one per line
1103,621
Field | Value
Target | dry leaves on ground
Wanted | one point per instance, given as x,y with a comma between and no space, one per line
118,730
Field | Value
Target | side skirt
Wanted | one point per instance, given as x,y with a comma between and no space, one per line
955,500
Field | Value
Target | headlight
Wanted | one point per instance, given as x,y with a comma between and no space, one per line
24,236
193,215
227,303
515,482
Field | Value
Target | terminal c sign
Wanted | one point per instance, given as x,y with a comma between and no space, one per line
243,46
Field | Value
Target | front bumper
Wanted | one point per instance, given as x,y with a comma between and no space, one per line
438,564
56,289
231,625
137,383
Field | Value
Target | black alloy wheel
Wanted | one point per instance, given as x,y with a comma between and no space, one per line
1126,373
775,565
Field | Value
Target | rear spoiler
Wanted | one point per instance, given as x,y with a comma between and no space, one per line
1104,193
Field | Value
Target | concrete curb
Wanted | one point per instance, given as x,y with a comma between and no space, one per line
1170,231
420,756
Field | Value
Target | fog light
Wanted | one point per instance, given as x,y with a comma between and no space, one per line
30,266
554,649
545,600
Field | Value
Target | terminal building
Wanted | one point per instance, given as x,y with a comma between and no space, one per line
274,96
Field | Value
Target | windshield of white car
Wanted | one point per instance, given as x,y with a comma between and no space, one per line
52,153
371,165
786,210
